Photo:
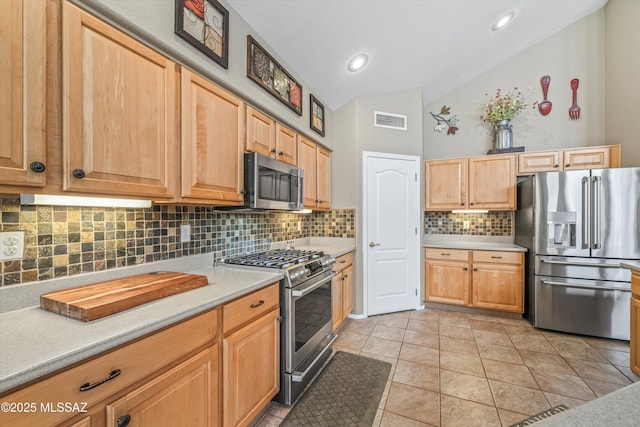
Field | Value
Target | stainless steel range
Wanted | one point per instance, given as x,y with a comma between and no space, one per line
305,305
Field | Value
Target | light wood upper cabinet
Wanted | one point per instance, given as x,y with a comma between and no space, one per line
591,158
539,161
487,182
270,138
316,163
307,162
600,157
212,139
492,182
23,89
260,133
119,111
286,145
323,178
446,184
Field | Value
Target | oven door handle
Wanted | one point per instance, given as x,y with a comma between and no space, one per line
575,285
313,286
298,376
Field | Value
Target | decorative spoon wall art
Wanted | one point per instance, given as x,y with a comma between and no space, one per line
545,106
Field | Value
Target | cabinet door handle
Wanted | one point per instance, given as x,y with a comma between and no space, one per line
78,173
258,304
89,386
37,167
124,420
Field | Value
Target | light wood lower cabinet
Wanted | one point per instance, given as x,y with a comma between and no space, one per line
342,289
251,355
135,371
635,324
187,395
484,279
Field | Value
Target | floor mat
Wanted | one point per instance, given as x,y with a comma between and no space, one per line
346,393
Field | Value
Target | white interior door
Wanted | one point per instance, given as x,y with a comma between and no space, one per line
391,227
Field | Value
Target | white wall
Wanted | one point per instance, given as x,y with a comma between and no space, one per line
622,78
152,21
575,52
357,134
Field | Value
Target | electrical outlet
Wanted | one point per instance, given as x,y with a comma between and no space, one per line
465,225
185,233
299,226
11,245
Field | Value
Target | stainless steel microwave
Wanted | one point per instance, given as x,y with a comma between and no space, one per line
272,184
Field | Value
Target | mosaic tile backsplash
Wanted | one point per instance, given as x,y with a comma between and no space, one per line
488,224
62,241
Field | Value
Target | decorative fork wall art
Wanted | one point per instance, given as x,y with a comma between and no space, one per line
574,110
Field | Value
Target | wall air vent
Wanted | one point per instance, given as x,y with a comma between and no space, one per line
389,120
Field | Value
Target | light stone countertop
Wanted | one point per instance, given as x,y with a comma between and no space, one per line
486,243
633,266
35,342
619,408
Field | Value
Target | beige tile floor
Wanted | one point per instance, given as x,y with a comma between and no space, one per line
458,369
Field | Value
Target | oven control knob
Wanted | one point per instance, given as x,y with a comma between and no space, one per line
328,261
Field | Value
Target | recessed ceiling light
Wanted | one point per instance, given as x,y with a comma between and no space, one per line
502,21
357,62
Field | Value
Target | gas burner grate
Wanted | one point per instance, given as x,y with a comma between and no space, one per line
275,258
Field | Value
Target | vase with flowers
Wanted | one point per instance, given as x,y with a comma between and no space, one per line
499,110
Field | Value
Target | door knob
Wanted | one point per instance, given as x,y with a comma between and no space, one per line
371,244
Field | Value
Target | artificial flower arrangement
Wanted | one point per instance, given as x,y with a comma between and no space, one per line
503,106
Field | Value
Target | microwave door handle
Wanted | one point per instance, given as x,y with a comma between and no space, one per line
300,200
586,212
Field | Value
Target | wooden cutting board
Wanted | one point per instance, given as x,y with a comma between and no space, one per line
101,299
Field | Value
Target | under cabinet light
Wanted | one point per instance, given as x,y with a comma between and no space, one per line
469,211
46,199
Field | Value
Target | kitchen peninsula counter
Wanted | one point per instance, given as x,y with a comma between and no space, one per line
478,243
36,342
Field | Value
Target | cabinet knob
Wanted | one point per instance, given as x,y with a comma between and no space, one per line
567,165
471,204
124,420
556,166
475,269
78,173
466,269
344,276
37,167
281,153
462,204
273,150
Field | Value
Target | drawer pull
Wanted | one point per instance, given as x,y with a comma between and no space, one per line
445,254
343,261
258,304
124,420
89,386
496,257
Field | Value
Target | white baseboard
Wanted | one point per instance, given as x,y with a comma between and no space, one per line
357,316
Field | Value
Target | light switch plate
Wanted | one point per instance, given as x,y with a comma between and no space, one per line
465,225
11,245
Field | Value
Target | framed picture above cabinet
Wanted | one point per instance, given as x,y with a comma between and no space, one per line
267,73
317,115
204,24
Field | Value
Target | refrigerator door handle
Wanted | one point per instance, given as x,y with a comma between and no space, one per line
597,288
586,212
596,192
581,264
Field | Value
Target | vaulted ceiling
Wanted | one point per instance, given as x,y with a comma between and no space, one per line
433,44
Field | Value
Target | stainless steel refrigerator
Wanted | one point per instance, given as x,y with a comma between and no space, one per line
578,227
